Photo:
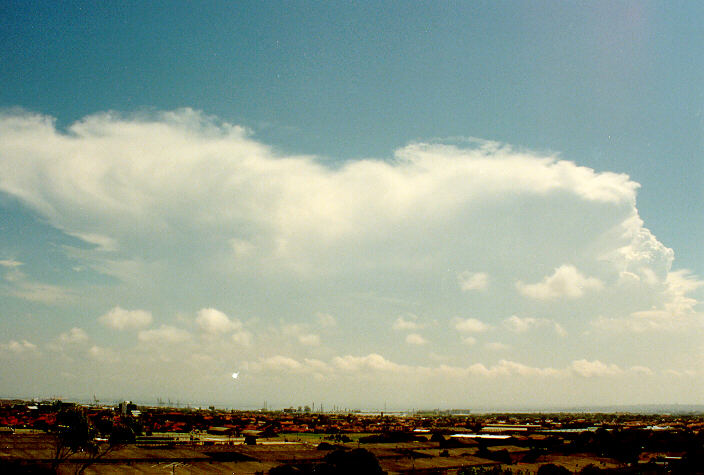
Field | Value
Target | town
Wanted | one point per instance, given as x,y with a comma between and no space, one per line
66,437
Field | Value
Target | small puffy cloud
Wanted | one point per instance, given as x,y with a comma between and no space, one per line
73,336
105,355
242,338
496,346
473,280
300,334
411,323
644,370
510,368
594,368
121,319
565,282
415,339
372,361
316,365
309,339
10,263
215,322
518,324
680,374
471,325
164,334
469,340
326,320
14,346
280,363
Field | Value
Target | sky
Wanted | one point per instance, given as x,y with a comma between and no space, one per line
362,205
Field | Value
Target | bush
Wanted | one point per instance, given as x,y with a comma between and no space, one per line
552,469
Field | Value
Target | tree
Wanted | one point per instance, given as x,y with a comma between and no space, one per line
75,434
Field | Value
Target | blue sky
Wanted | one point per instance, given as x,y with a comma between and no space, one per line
323,193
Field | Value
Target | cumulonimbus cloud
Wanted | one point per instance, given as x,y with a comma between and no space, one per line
179,202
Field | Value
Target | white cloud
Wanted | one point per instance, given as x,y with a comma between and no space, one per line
237,193
518,324
644,370
242,338
102,354
326,320
280,363
215,322
73,336
595,368
473,281
164,334
11,263
471,325
411,323
511,368
372,361
469,340
309,339
14,346
677,311
20,286
178,209
121,319
565,282
680,374
496,346
415,339
300,334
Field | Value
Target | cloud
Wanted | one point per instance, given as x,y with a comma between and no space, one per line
242,338
373,361
402,323
215,322
677,311
280,363
415,339
471,325
182,173
20,286
473,281
326,320
496,346
565,282
469,340
523,324
73,336
596,368
309,339
644,370
17,347
121,319
181,210
11,263
163,335
509,368
105,355
300,334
